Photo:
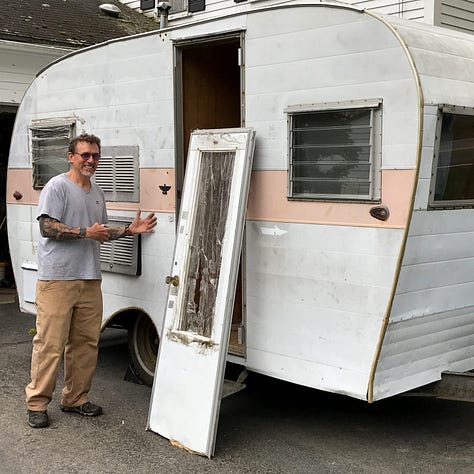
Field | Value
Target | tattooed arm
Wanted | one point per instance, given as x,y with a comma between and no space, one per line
117,232
54,229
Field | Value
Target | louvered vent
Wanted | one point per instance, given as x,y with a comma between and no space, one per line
117,173
122,255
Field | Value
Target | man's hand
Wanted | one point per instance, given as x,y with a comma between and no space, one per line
138,226
142,226
98,232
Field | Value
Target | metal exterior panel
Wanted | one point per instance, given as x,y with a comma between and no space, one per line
23,225
438,265
115,99
416,351
437,249
308,373
431,326
444,60
436,277
344,67
316,295
452,66
437,274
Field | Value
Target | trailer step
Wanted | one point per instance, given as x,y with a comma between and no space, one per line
233,386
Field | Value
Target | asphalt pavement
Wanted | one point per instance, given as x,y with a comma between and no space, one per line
270,427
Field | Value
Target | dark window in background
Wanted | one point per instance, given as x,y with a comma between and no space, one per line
454,171
196,6
147,4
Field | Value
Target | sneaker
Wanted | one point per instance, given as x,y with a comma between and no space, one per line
38,419
86,409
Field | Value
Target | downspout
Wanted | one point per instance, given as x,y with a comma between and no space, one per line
388,310
162,10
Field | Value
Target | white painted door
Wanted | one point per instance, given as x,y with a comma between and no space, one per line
190,368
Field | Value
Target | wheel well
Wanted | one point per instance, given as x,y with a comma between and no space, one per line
125,318
143,342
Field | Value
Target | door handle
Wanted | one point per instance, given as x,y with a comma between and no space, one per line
172,280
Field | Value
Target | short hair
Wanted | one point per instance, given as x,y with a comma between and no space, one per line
84,137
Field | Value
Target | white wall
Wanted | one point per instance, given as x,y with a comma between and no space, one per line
19,64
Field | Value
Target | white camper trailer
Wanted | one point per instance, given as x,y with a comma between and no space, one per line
357,264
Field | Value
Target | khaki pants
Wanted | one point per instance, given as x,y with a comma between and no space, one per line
68,321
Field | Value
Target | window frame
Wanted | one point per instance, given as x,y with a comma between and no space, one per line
445,204
45,124
375,107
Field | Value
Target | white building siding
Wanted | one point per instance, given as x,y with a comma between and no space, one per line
19,64
410,9
455,14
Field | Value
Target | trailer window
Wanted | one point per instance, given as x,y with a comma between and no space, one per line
453,165
49,143
335,152
117,173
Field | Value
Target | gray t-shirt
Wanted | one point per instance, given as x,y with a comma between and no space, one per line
65,201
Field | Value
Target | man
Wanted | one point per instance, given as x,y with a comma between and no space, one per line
72,218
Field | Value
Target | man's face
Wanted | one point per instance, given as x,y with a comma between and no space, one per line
85,159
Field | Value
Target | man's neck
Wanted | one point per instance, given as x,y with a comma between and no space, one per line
83,181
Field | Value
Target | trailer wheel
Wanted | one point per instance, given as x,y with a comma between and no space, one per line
143,342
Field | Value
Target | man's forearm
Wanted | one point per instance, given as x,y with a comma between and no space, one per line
118,232
54,229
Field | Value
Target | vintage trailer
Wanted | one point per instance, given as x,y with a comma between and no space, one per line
357,265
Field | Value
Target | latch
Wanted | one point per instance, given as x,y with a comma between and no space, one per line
172,280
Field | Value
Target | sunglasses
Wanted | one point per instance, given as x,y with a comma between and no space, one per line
86,156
